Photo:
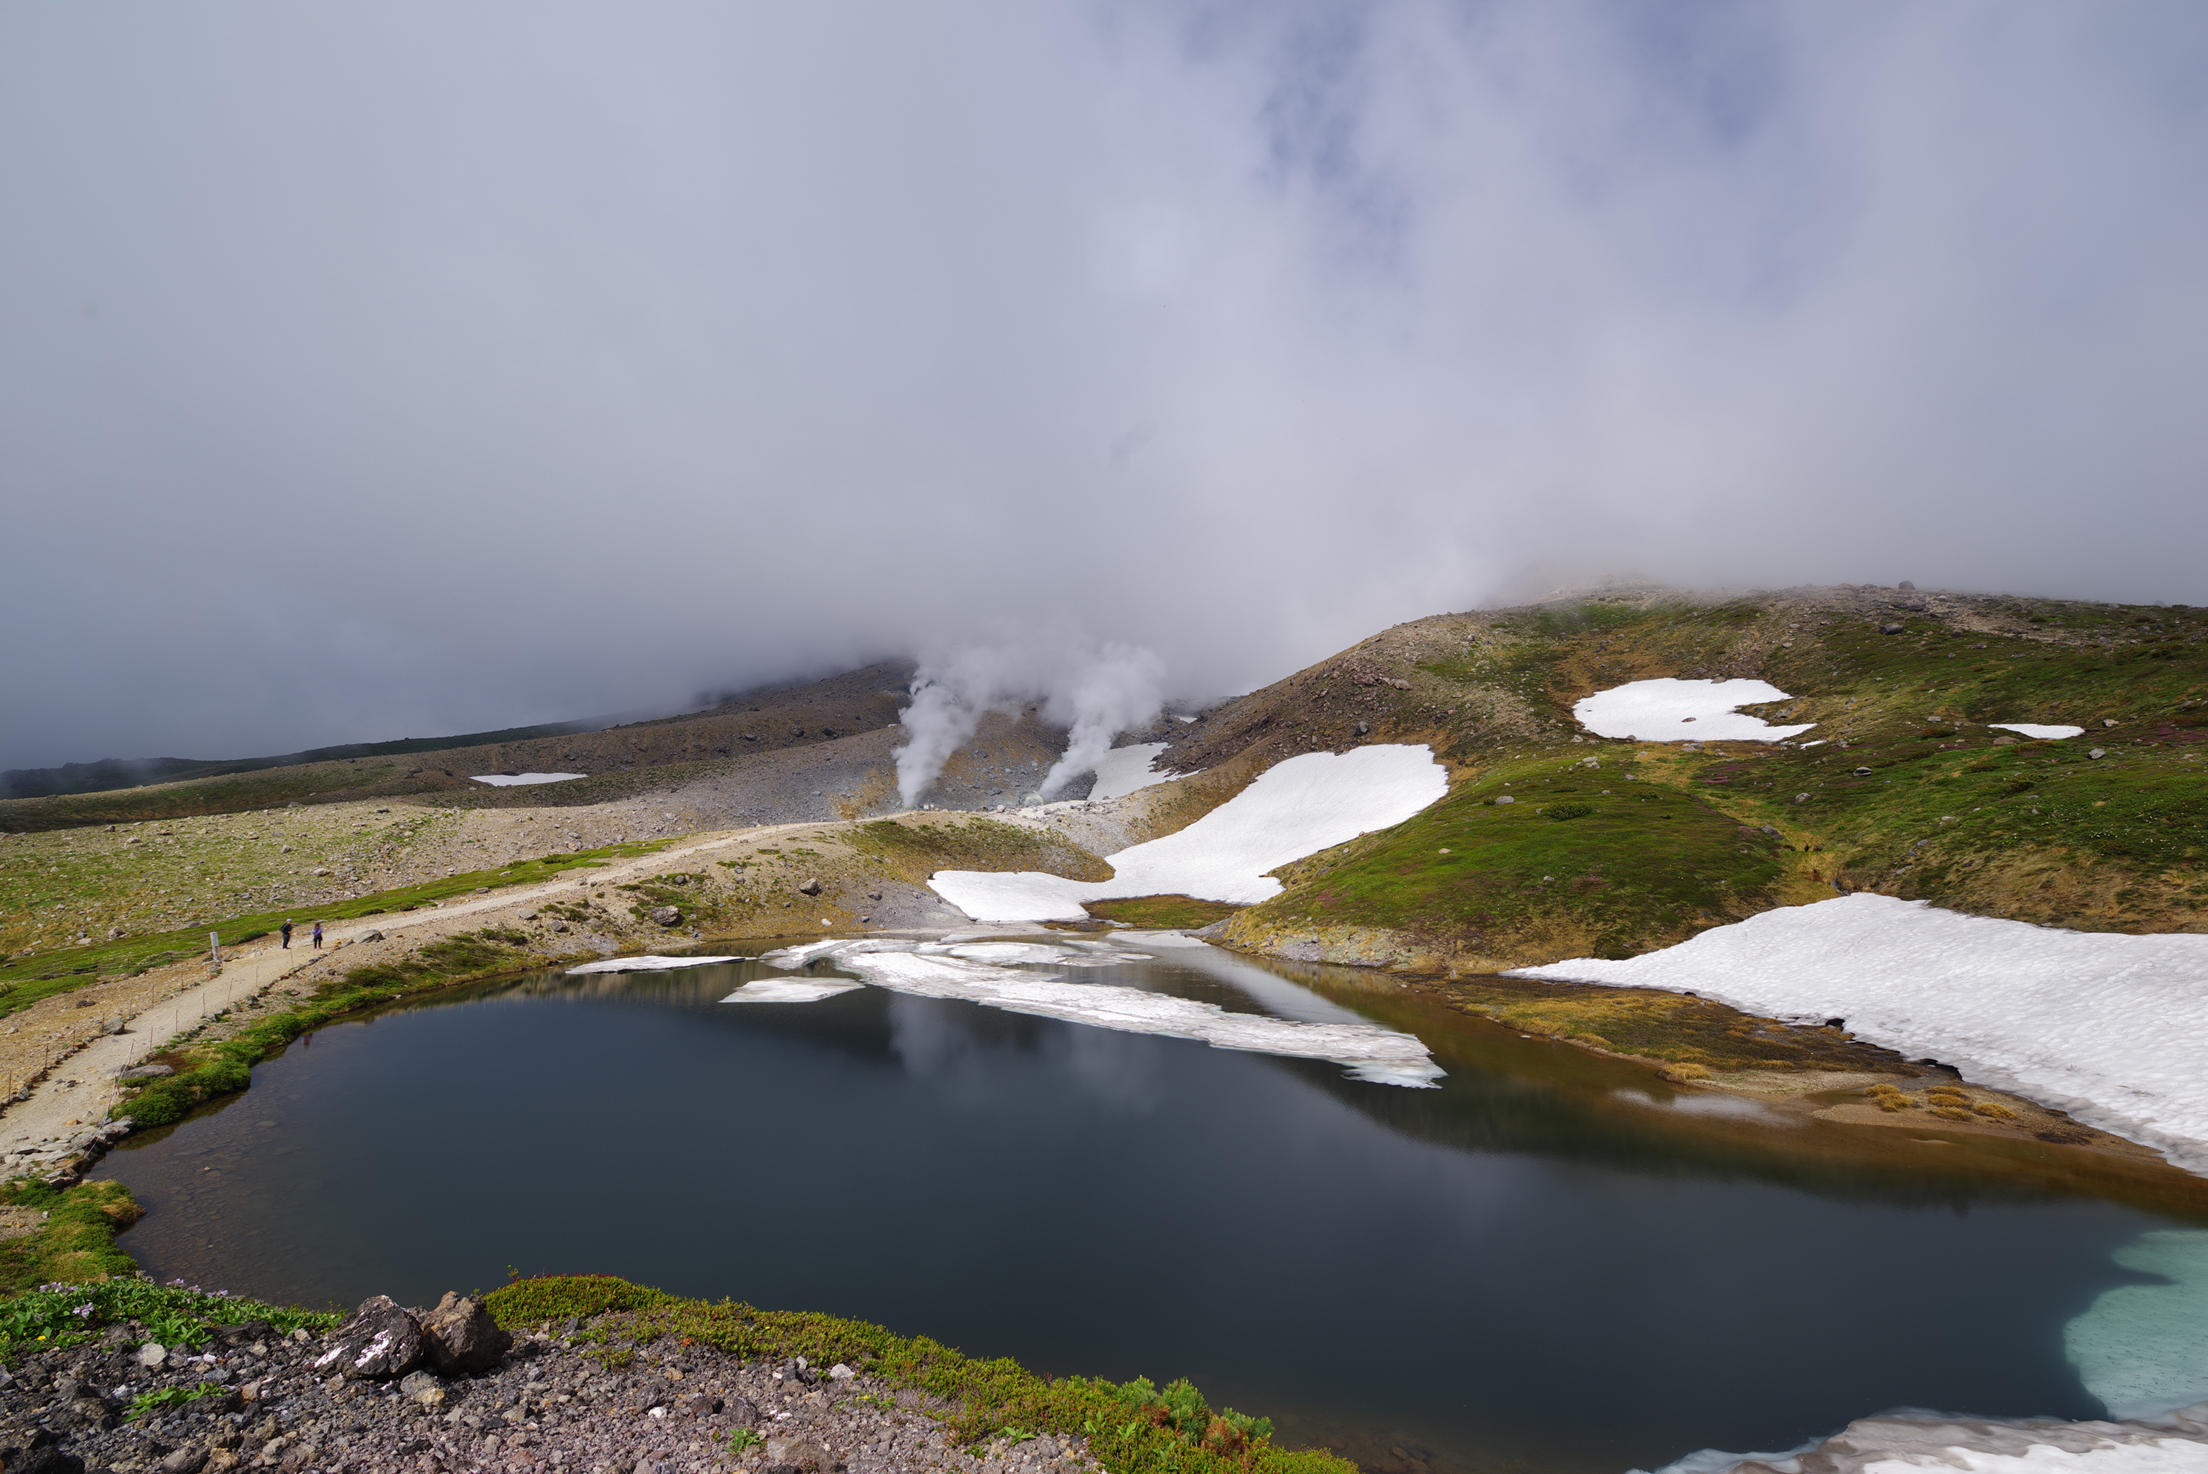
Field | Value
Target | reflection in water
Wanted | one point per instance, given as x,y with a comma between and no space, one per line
1518,1269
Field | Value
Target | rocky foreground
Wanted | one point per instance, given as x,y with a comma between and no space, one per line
446,1390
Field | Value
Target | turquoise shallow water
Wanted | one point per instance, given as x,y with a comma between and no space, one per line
1511,1271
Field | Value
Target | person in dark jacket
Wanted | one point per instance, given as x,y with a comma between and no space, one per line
286,930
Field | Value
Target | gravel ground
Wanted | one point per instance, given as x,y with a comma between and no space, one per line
546,1406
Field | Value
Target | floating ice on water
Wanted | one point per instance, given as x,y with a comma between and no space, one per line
1668,710
2044,732
1295,808
791,990
511,780
1367,1051
1125,769
649,964
2108,1026
2143,1349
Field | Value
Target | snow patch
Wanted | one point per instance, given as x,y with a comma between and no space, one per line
2035,729
977,973
2108,1026
791,990
1669,710
649,964
1125,769
513,780
1295,808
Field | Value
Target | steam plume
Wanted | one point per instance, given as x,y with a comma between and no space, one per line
1097,691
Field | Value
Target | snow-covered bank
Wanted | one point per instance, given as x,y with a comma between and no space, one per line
1295,808
516,780
2112,1028
983,973
1670,710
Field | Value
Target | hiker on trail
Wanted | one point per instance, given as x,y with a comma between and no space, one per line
318,936
286,930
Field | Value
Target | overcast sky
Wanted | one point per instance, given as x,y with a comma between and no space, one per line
394,370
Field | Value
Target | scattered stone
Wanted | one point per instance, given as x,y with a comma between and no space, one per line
528,916
152,1354
1506,799
1801,798
144,1072
2004,741
381,1341
2098,752
666,916
372,936
185,1460
2108,721
811,887
1862,772
1890,629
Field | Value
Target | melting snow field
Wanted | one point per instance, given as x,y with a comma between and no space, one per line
648,964
514,780
1295,808
2112,1028
1125,769
1669,710
986,973
2039,730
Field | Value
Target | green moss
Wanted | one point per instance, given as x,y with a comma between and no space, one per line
1637,866
1161,913
75,1244
1133,1428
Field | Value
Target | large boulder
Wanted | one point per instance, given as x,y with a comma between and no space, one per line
380,1342
460,1337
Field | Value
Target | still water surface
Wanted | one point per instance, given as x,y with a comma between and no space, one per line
1522,1269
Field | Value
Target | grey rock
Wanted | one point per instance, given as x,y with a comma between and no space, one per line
840,1373
666,916
373,936
144,1072
187,1460
1364,729
153,1354
460,1337
1862,772
381,1341
528,916
1506,799
799,1453
1890,629
2004,741
810,887
1906,584
2098,752
2108,721
742,1411
1801,798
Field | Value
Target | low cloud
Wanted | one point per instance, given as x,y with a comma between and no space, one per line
356,388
